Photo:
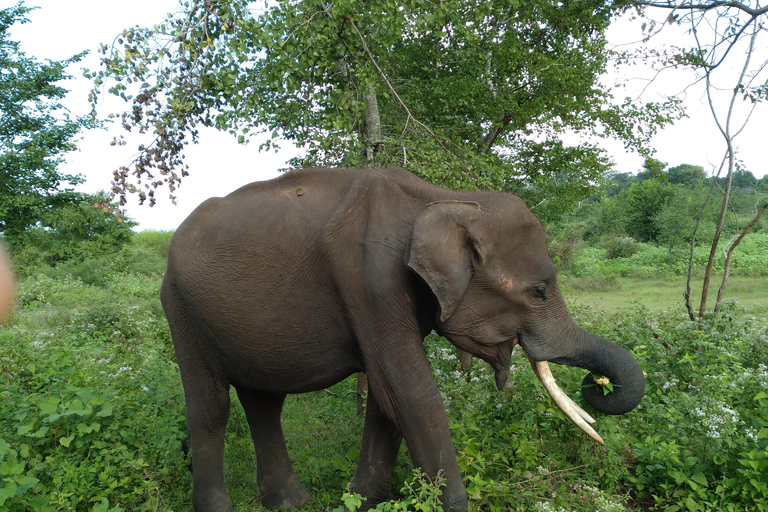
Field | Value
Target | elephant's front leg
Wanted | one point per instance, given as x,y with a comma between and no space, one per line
401,381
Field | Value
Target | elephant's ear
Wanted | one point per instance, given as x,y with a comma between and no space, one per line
444,251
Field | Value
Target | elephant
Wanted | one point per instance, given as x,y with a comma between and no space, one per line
291,285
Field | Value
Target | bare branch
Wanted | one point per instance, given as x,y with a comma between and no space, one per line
705,6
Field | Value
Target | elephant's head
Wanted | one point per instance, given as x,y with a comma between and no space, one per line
489,269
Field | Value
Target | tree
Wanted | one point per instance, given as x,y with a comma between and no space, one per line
743,179
720,32
35,131
676,220
39,210
618,181
687,174
644,201
466,93
90,228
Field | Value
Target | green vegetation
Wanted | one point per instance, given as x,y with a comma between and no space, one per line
93,412
36,131
90,396
466,93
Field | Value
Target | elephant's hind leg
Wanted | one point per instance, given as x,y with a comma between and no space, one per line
207,403
278,485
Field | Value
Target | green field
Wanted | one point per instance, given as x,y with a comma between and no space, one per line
659,294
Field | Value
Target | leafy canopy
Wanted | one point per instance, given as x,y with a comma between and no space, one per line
38,205
34,131
469,93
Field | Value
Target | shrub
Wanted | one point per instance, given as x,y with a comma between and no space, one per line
93,417
562,250
619,246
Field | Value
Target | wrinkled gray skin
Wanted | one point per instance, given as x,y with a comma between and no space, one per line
291,285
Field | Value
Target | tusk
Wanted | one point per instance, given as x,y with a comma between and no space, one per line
575,413
548,375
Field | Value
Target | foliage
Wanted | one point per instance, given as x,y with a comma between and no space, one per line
89,228
35,131
93,419
649,260
420,493
619,246
90,398
702,442
644,201
661,209
468,93
687,174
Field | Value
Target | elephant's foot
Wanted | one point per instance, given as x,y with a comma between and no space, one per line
289,495
375,492
213,501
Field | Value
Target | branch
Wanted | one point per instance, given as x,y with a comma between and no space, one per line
394,92
728,258
754,13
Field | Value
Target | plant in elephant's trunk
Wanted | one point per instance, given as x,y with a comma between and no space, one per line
291,285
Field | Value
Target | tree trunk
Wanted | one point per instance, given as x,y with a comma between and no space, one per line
687,293
373,137
719,229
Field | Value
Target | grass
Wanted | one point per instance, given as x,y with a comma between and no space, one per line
93,420
663,293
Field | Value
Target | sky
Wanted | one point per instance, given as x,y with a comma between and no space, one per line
218,165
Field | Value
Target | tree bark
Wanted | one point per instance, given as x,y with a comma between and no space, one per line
373,137
687,293
719,229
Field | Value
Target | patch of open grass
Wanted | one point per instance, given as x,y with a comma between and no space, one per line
663,293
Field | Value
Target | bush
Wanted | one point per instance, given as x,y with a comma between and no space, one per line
589,283
619,246
93,413
562,250
700,436
91,403
622,257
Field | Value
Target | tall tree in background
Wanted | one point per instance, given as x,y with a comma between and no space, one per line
466,93
40,213
725,51
35,131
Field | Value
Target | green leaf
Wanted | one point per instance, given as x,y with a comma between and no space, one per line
105,411
49,406
700,479
7,492
26,481
102,506
12,467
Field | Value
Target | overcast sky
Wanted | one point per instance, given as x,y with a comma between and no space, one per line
218,165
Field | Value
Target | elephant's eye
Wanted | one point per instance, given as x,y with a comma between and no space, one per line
540,293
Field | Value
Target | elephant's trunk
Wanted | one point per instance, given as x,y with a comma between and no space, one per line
621,369
607,359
